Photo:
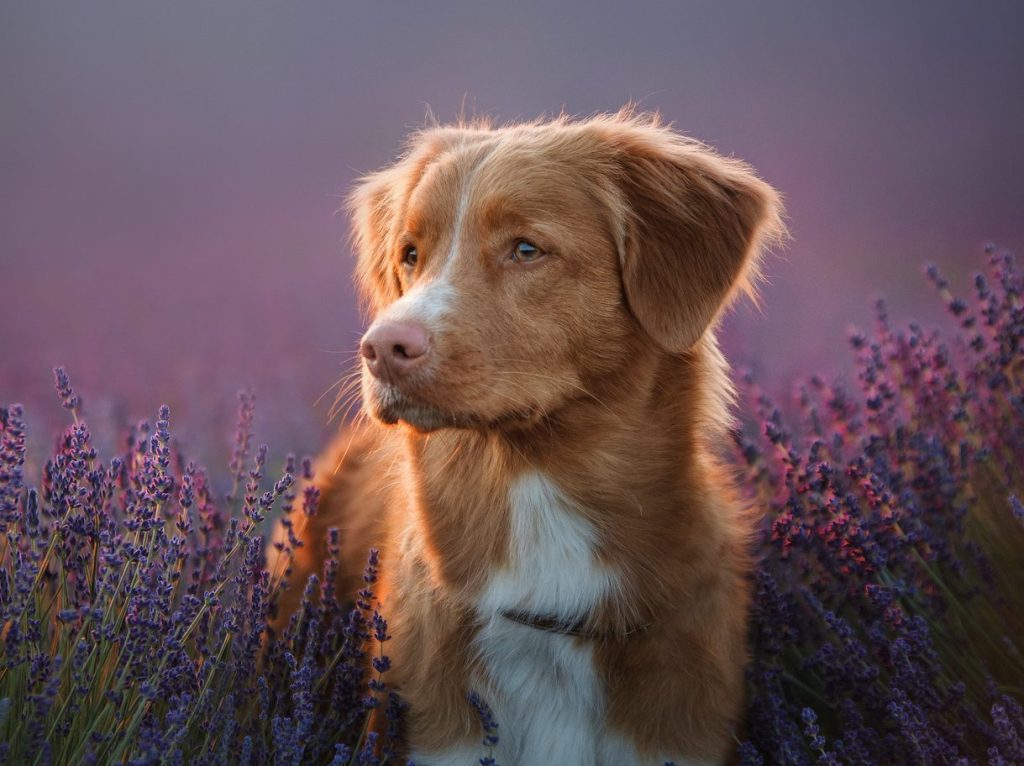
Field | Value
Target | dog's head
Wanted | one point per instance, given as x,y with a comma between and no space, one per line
505,270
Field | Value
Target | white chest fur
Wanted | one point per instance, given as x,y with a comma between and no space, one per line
545,691
552,567
543,685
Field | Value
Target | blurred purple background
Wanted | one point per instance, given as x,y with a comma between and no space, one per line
170,173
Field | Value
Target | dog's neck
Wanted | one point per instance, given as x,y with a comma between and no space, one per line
625,456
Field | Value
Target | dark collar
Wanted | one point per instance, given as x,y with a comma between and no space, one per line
579,628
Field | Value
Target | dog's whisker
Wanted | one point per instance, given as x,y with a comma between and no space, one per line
348,353
345,407
340,401
335,384
350,383
347,387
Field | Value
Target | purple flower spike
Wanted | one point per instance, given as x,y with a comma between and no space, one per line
140,622
68,398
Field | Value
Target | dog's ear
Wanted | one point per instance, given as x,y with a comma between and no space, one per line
376,206
693,225
373,207
378,202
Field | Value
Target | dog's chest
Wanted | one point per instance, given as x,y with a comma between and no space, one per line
545,690
547,694
552,567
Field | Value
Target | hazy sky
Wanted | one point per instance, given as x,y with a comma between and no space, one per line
170,172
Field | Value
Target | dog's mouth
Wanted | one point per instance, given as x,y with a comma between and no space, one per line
391,406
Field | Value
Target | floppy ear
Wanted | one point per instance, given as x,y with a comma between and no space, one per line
695,223
377,204
373,206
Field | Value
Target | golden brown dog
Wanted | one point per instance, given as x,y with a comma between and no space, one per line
547,399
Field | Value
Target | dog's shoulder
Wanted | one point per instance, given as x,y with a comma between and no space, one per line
363,459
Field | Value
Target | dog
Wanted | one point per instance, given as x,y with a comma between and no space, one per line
541,466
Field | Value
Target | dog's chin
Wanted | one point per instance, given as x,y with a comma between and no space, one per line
419,418
391,406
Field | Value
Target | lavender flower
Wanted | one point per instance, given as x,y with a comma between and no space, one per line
885,590
69,400
888,602
159,597
487,724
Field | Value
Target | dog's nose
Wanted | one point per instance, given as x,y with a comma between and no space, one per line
392,349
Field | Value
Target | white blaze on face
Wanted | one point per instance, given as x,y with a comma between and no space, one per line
431,302
460,220
427,304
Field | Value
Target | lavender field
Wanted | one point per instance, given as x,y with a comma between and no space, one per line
170,180
889,610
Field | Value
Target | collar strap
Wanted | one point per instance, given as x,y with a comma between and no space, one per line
579,629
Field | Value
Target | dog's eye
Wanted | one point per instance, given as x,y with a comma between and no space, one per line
524,251
410,255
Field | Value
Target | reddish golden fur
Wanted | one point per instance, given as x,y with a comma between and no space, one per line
597,366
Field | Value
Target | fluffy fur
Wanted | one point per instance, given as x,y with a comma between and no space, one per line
555,454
